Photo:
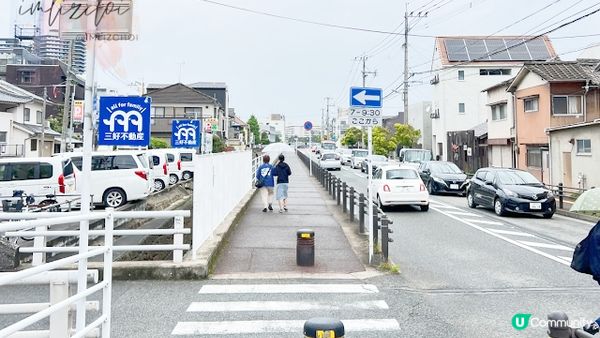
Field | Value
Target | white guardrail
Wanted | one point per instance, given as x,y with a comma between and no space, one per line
45,273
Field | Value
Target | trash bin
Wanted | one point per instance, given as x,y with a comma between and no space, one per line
323,328
305,247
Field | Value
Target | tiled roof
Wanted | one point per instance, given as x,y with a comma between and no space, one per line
35,129
563,71
480,129
7,98
12,94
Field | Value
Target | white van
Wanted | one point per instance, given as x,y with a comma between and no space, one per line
160,169
47,180
117,176
173,163
186,156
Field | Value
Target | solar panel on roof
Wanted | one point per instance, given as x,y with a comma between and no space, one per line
497,49
456,50
477,50
517,50
538,50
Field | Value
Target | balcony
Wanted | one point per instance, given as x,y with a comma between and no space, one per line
11,150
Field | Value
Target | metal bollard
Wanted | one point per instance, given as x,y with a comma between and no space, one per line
361,213
324,328
385,239
376,226
305,247
338,193
561,195
351,204
344,196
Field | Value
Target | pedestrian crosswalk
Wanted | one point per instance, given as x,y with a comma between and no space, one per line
274,309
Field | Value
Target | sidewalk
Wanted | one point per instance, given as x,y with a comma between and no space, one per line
266,242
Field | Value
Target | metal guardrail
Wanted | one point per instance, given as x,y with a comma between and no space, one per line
349,200
566,195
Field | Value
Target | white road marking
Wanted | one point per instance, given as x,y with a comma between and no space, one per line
547,245
517,243
512,233
284,306
276,326
568,259
484,222
288,288
459,213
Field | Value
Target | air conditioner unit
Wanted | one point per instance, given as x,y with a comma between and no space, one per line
435,80
435,114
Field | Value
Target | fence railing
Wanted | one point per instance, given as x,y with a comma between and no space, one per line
355,204
566,195
11,150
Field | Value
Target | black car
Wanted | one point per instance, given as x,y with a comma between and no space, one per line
443,177
510,190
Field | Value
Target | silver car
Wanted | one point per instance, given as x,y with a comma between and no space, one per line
377,161
345,156
358,155
330,161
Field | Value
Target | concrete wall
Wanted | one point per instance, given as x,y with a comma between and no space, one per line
581,165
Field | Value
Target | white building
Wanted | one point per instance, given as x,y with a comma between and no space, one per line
501,125
419,117
277,123
21,124
464,66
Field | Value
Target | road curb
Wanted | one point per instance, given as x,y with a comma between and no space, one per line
575,215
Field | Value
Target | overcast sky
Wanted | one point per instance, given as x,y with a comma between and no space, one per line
280,66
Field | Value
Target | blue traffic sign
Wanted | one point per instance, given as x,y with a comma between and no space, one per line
361,97
308,126
124,121
186,134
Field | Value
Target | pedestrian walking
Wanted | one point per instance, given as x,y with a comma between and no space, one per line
283,173
265,183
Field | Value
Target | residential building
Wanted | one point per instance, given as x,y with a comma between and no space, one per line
468,148
239,133
277,121
297,131
22,133
13,52
178,102
549,95
464,66
51,46
575,154
500,126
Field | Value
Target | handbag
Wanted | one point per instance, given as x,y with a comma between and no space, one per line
260,182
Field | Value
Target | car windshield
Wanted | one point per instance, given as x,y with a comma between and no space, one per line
401,174
328,146
517,178
360,153
378,158
444,168
328,157
417,156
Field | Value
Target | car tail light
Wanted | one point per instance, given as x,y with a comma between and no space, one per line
142,174
179,165
423,187
386,188
165,168
61,184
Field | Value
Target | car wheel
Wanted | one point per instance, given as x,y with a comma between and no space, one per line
548,215
380,205
159,185
114,198
425,207
186,175
430,188
173,179
471,200
499,208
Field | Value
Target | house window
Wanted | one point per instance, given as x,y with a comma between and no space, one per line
584,147
38,117
531,104
193,112
461,108
3,137
34,144
26,77
158,112
499,112
26,115
566,105
486,72
461,75
534,157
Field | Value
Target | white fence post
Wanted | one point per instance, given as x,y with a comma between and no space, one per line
59,320
178,239
108,262
39,258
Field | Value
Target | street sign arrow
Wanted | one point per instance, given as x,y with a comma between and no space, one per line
362,97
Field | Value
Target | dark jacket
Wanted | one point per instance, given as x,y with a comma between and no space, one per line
586,258
283,172
265,173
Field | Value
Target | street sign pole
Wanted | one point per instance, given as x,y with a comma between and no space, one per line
370,192
310,151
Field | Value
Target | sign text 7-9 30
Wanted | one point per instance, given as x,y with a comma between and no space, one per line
365,117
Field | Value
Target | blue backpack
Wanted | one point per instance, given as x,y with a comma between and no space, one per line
586,257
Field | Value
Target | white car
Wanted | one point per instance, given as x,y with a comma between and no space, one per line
345,156
117,176
186,156
160,169
174,164
47,180
358,155
394,185
330,161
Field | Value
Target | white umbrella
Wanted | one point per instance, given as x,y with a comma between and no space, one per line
278,148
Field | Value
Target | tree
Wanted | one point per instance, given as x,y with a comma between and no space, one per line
158,143
218,145
351,137
56,122
383,144
405,135
264,139
254,128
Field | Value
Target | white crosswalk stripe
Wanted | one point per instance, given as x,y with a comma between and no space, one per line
462,213
255,315
568,259
512,233
546,245
484,222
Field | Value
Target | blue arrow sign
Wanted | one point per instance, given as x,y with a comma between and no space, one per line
361,97
308,126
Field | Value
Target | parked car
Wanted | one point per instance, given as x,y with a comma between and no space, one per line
46,180
345,156
117,176
160,169
399,185
376,161
414,157
174,164
443,177
510,190
186,156
358,155
330,161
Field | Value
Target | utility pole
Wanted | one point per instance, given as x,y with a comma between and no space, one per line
44,120
322,123
406,74
67,106
365,73
327,121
